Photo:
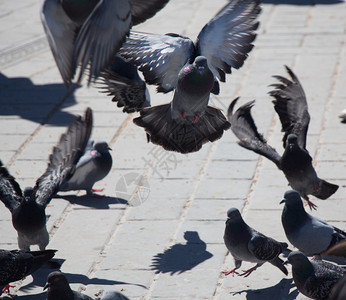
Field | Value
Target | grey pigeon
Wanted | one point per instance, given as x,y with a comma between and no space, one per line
28,208
193,71
247,244
16,264
295,162
89,33
309,234
112,295
94,165
121,80
316,278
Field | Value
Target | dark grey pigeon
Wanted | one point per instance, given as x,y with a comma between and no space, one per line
121,80
89,33
309,234
28,208
94,165
193,71
16,264
316,278
58,288
247,244
295,163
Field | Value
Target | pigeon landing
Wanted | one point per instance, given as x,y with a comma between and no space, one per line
16,264
28,208
193,71
93,166
121,80
295,163
316,278
82,33
247,244
309,234
58,288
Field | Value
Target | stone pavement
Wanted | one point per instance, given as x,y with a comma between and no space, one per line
165,240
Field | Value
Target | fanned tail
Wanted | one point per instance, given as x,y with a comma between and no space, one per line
325,190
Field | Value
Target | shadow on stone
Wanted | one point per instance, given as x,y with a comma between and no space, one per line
19,96
182,257
302,2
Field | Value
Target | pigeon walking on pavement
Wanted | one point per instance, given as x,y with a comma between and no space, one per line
16,264
193,71
121,80
309,234
89,33
58,288
247,244
316,278
295,162
28,208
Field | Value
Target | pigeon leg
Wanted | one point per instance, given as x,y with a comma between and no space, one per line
6,289
183,115
96,190
232,271
92,193
310,204
196,118
248,272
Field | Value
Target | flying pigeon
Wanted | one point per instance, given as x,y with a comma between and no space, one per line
94,165
309,234
193,71
316,278
89,33
247,244
295,162
58,288
121,80
28,208
16,264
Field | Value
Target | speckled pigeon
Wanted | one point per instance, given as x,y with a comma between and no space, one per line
121,80
316,278
247,244
295,162
193,71
16,264
89,33
309,234
28,208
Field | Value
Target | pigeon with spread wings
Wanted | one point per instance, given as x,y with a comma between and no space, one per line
193,71
28,207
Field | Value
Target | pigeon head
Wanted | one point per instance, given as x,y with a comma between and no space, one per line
28,191
292,141
233,215
57,281
292,199
201,63
102,147
300,263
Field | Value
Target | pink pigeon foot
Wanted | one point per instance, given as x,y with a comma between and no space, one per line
248,272
311,205
232,271
183,115
196,118
6,289
93,193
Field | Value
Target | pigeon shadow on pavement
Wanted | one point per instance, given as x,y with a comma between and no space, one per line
93,202
277,292
20,96
182,257
302,2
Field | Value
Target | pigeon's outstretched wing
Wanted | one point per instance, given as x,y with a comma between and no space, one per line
64,158
244,127
291,105
143,10
10,192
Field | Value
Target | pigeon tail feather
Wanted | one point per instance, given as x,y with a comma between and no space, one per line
325,190
278,262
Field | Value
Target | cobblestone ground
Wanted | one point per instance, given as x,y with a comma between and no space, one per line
166,242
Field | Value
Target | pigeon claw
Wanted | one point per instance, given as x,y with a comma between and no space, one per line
311,205
195,118
232,271
183,115
6,289
248,272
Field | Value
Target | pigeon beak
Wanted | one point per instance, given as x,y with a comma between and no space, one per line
46,286
109,148
290,146
283,201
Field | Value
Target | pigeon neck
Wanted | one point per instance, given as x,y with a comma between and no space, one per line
293,217
301,272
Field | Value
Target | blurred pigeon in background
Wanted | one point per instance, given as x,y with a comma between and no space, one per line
339,290
247,244
193,71
121,80
112,295
16,264
309,234
316,278
89,33
28,208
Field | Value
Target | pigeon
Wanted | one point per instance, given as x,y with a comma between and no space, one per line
58,288
316,278
193,71
342,116
337,250
28,208
121,80
295,162
16,264
339,290
94,165
309,234
89,33
247,244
